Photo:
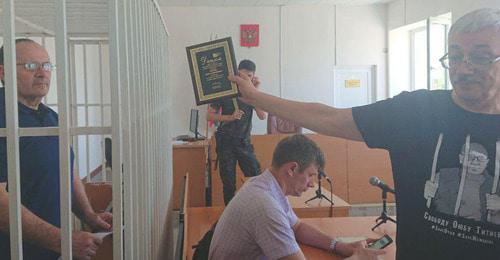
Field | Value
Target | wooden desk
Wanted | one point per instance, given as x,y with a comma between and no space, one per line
202,218
190,157
318,208
349,227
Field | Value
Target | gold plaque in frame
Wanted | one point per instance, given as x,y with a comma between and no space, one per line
210,64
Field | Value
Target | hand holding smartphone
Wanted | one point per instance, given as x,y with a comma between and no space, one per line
381,243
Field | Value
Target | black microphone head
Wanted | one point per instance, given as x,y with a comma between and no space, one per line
322,174
374,181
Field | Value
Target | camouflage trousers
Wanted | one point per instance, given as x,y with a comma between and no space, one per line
230,151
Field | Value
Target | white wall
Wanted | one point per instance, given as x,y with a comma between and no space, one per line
404,12
188,26
362,40
296,56
308,53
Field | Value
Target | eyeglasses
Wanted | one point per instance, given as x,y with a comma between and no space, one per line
33,66
479,60
478,158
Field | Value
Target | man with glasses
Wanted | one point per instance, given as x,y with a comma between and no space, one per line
39,168
424,132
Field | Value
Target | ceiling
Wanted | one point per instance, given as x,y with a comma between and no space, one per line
264,2
38,16
90,17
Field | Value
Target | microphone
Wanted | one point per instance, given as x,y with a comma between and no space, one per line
321,174
377,182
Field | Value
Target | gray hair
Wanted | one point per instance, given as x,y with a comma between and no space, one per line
475,147
477,20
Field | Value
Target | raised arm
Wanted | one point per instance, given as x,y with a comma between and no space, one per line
320,118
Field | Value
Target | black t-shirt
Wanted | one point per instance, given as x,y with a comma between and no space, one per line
237,128
409,126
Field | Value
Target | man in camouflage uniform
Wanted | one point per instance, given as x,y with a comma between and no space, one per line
233,135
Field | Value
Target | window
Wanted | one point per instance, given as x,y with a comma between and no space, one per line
438,33
418,60
414,52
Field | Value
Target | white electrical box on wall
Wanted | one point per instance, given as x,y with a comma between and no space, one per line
354,85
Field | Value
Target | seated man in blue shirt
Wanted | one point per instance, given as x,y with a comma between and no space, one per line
259,221
39,168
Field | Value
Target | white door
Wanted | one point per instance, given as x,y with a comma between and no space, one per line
354,86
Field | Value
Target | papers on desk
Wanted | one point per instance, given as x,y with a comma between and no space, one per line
178,142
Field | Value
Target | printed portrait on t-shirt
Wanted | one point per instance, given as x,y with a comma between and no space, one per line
468,190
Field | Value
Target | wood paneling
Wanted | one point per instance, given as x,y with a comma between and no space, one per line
335,150
362,164
349,164
99,195
190,158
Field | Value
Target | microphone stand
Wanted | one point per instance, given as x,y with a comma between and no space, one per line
383,216
319,195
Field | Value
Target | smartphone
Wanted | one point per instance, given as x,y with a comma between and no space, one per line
381,242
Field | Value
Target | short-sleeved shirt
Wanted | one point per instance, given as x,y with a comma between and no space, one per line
39,171
409,126
257,223
238,128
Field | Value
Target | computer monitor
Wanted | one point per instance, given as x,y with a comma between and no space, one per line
193,122
107,151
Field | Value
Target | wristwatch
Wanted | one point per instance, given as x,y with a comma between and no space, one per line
333,245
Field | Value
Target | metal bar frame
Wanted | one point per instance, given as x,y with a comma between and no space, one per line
64,134
127,178
14,178
116,134
137,44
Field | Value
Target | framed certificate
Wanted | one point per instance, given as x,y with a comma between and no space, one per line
210,64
